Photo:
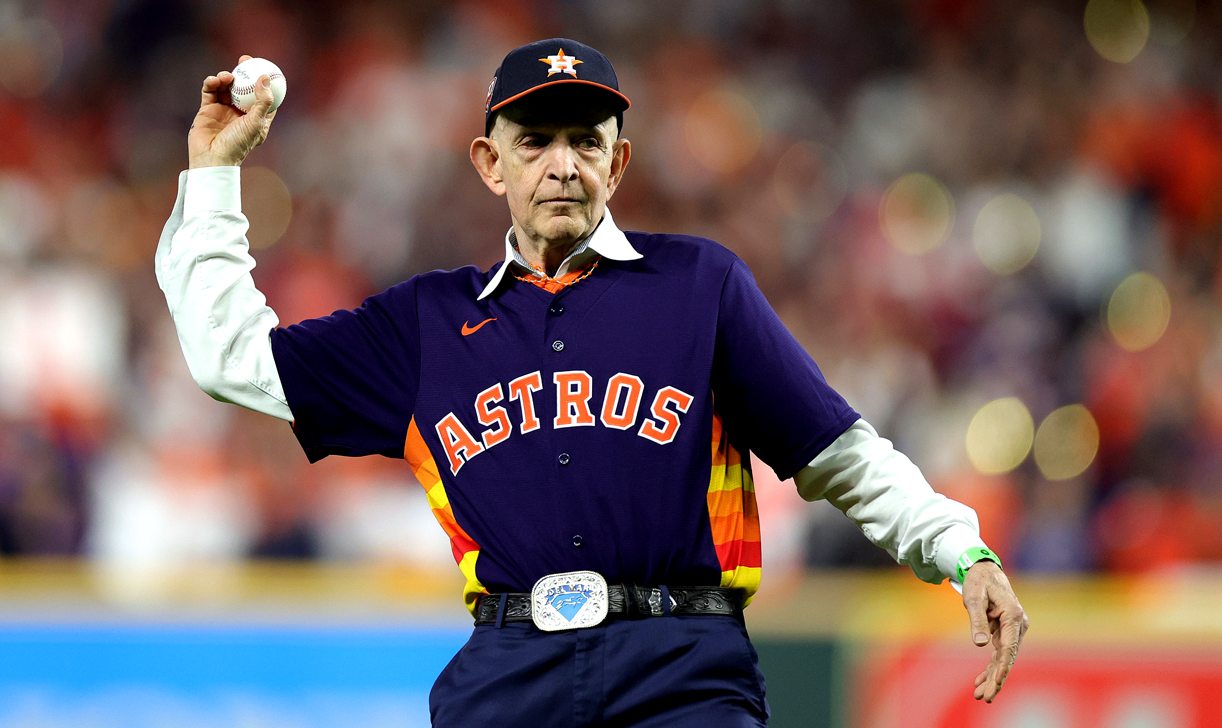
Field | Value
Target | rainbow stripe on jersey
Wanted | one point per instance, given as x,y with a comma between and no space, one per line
733,516
465,550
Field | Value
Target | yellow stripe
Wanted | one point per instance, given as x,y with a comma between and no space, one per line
437,497
732,477
473,588
744,578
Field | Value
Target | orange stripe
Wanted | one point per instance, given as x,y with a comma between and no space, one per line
731,528
416,453
532,89
751,527
732,456
735,523
726,529
725,502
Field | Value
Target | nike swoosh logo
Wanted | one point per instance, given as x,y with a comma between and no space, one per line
467,330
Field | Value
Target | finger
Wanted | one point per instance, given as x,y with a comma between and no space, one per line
1009,651
982,691
208,94
261,108
244,58
267,127
976,603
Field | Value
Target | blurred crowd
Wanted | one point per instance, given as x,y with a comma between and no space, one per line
943,199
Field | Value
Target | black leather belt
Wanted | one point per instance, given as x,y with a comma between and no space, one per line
627,602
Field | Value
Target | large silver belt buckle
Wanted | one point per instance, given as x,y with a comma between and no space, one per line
569,601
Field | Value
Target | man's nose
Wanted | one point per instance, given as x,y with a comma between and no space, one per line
562,163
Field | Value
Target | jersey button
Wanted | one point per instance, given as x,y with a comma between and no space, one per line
564,458
578,541
557,345
556,310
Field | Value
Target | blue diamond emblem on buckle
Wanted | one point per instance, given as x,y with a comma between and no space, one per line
568,604
571,600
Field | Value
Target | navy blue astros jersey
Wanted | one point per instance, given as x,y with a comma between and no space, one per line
603,427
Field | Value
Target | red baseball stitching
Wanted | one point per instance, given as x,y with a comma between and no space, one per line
251,88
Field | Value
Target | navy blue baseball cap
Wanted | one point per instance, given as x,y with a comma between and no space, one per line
548,63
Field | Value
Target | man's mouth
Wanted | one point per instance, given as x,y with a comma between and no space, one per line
562,200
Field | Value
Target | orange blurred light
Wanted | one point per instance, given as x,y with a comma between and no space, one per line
723,131
267,203
31,56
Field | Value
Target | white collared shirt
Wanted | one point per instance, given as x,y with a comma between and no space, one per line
607,240
203,266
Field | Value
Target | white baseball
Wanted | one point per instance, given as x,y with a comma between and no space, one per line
246,75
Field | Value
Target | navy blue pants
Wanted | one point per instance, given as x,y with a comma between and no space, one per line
664,671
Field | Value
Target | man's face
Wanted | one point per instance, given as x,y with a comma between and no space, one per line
557,170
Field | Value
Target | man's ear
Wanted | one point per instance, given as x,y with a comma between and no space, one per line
621,152
487,161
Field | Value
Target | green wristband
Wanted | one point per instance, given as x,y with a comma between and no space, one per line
971,556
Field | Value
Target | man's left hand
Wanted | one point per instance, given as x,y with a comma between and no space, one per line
996,617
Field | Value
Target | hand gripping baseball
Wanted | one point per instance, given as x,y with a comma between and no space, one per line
998,619
221,134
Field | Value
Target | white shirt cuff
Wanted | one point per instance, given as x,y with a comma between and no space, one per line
213,189
954,541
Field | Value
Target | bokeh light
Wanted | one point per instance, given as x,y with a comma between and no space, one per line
1170,20
810,181
31,55
1007,234
723,131
917,213
1000,436
267,203
1138,312
1066,443
1118,29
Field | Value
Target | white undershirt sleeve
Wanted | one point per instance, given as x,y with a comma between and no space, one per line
884,493
203,266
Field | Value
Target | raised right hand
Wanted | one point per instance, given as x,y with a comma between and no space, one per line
221,134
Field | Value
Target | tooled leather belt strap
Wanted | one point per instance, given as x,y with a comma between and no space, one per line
627,602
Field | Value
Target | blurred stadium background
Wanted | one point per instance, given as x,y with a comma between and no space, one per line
995,225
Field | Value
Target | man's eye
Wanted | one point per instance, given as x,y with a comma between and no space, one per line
533,142
588,144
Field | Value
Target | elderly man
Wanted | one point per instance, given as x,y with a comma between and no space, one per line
579,415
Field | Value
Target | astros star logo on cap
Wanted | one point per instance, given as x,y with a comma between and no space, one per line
520,74
561,64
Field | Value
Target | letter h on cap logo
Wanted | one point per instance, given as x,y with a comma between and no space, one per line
561,64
